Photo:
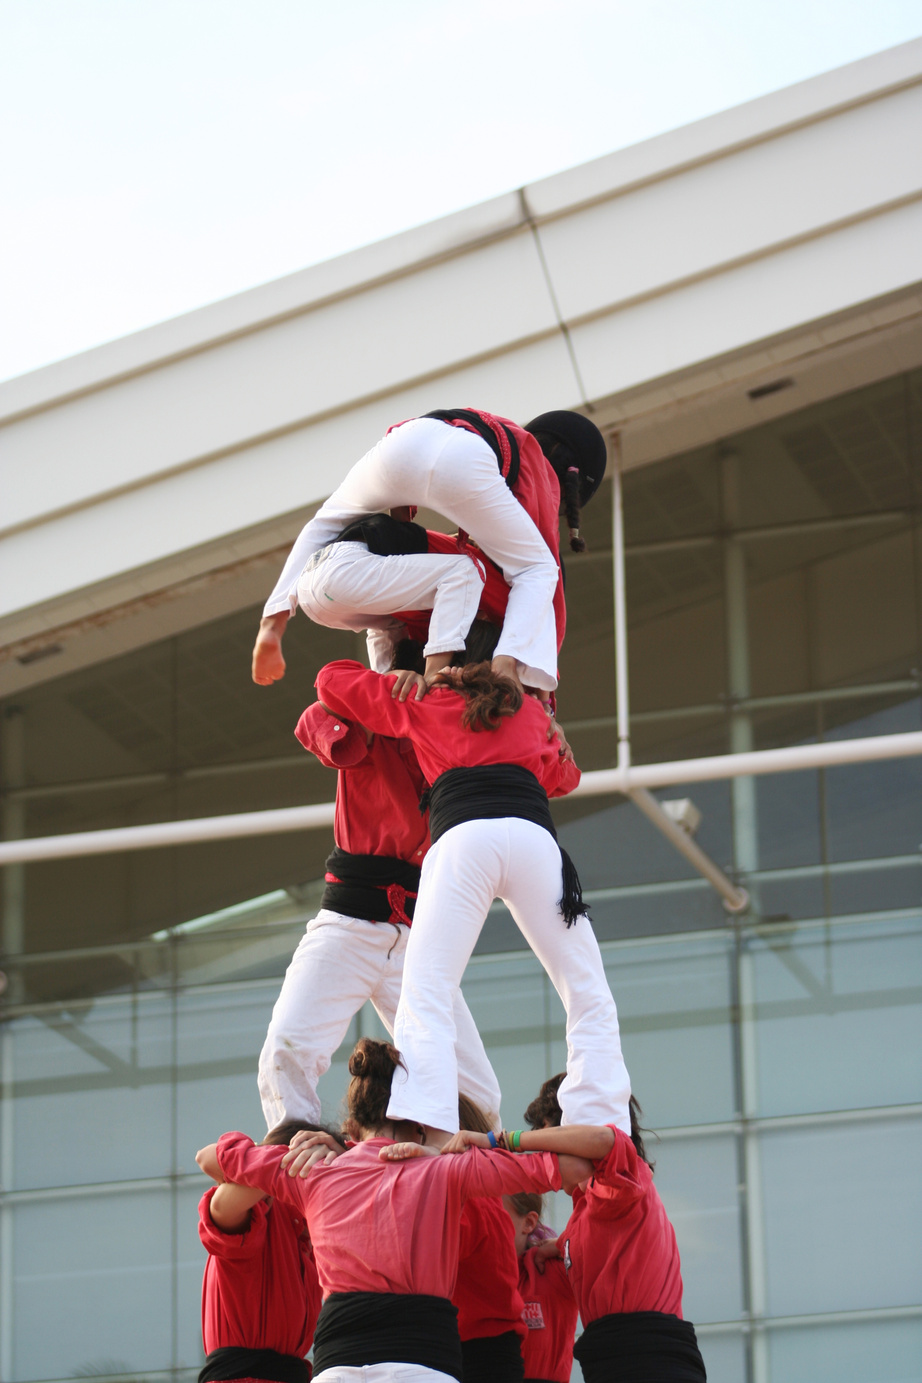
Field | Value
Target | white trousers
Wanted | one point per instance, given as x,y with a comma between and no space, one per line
454,472
344,586
339,963
464,871
382,1373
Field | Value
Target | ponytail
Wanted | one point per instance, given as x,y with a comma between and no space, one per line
489,695
371,1066
564,463
570,491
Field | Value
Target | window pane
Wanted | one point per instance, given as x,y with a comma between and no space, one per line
839,1016
90,1071
697,1179
843,1216
107,1285
674,1006
859,1351
724,1358
219,1036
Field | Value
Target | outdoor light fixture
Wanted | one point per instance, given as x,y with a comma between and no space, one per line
684,813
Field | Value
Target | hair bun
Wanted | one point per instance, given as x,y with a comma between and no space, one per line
358,1063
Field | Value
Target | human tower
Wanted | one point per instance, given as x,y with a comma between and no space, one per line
409,1245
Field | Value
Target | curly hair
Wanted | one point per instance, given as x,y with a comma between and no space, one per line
488,695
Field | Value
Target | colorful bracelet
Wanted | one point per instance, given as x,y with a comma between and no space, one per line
492,1139
515,1138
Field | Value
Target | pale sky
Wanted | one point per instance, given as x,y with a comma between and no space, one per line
157,155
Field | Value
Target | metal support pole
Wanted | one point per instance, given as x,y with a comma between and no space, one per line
735,899
744,811
622,701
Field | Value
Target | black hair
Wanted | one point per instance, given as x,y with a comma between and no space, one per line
284,1132
408,656
545,1112
565,465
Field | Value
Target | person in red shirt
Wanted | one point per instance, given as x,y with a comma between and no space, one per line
549,1308
385,1234
500,483
619,1252
260,1292
353,950
484,748
486,1293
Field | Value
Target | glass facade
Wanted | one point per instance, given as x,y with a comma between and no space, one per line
775,597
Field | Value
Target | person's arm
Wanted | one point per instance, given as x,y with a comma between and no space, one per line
351,690
241,1162
566,777
231,1206
334,740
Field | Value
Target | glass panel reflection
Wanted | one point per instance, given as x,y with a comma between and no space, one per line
108,1284
839,1016
860,1351
843,1216
88,1070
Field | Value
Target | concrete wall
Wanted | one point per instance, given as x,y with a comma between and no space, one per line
643,285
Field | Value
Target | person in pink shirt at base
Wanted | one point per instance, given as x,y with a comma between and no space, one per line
385,1233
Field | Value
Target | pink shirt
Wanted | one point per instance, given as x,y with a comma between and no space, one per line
386,1226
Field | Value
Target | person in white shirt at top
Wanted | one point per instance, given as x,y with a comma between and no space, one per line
502,484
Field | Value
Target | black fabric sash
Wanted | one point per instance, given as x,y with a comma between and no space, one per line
376,888
385,536
233,1361
490,791
483,429
358,1328
493,1359
640,1347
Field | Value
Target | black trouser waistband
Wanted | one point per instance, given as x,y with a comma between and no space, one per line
358,1328
235,1361
640,1347
485,793
376,888
490,791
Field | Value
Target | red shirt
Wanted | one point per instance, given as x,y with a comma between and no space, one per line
260,1289
550,1315
386,1226
377,790
619,1248
434,726
487,1291
494,596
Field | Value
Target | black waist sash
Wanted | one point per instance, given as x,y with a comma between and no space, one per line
376,888
490,791
508,465
493,1359
358,1328
385,536
640,1347
233,1361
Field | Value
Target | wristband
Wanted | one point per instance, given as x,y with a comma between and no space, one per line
491,1138
515,1138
